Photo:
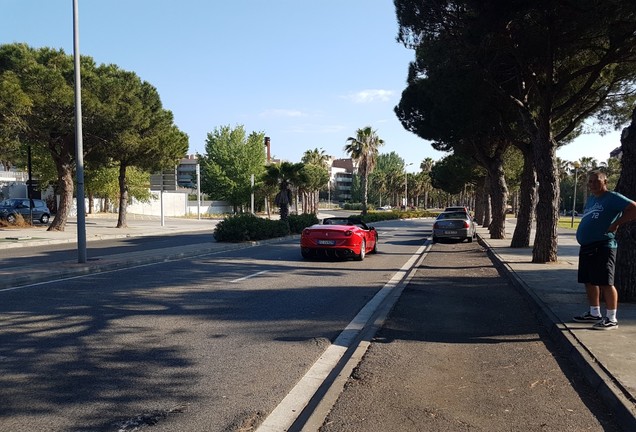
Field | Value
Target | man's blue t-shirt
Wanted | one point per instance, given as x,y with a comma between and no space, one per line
599,214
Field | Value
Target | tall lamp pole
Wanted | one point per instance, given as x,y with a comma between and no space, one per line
79,147
576,177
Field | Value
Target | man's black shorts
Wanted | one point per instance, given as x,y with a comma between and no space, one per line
596,264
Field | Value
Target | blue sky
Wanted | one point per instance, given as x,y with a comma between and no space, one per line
307,73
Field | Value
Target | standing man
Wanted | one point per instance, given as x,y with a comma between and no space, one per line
604,212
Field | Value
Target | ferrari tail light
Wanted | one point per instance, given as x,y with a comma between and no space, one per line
435,225
466,224
305,232
348,233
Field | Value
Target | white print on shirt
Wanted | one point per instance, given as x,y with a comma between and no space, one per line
594,211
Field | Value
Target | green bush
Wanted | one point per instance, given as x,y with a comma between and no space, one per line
297,223
352,206
374,216
247,227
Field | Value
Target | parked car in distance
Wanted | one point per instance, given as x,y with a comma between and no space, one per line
339,237
12,207
385,208
457,208
454,225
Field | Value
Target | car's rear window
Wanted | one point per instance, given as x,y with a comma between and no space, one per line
453,215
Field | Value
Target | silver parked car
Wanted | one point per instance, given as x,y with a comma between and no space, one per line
454,225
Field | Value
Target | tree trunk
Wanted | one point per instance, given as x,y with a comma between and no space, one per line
364,194
479,204
497,189
64,167
527,201
626,236
123,197
499,197
545,241
486,202
65,179
487,213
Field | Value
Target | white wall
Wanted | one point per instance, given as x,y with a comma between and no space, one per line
209,207
174,204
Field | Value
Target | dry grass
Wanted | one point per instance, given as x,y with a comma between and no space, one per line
20,222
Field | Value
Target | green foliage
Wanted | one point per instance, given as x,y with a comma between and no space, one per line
452,173
363,148
123,119
315,157
378,216
137,181
352,206
247,227
283,175
513,166
231,158
102,183
566,222
387,179
297,223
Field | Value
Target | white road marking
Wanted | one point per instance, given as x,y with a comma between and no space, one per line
288,410
249,276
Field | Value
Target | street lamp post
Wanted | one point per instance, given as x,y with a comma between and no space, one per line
79,145
198,171
576,172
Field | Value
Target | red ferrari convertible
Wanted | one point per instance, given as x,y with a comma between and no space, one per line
339,237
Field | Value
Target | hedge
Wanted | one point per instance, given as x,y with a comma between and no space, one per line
248,227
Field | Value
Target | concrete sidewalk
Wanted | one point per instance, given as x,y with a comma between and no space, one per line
606,358
102,226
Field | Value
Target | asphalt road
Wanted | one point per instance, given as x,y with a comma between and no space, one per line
211,343
461,352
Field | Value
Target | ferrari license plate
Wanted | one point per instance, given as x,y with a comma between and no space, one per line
326,242
450,232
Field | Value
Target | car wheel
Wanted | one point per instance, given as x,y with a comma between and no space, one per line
11,219
44,218
435,239
375,246
363,251
470,239
305,253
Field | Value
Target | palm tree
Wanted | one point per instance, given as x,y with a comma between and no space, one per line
379,181
564,168
363,148
586,164
284,175
315,157
611,168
